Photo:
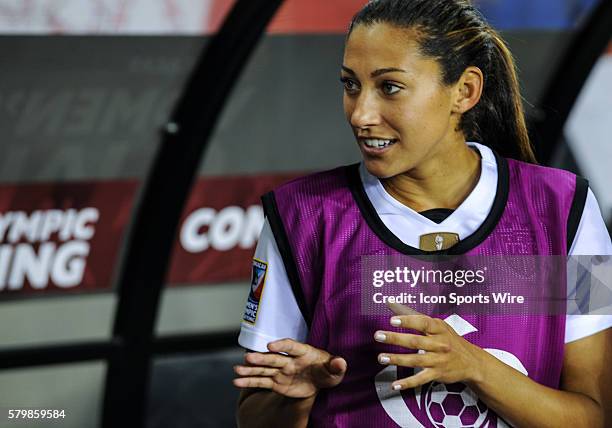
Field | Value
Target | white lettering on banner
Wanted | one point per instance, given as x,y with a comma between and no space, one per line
206,228
52,223
191,240
6,251
61,262
24,226
82,230
252,227
28,264
69,264
64,264
5,220
40,225
225,230
68,224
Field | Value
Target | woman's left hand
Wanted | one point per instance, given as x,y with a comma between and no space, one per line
447,357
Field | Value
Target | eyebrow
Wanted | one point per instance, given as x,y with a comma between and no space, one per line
377,72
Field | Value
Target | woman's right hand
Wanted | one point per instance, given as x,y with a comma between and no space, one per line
299,374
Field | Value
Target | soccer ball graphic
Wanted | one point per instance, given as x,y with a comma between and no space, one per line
446,406
454,406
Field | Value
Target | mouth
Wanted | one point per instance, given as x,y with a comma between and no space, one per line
376,145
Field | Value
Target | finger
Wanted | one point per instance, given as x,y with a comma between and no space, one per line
422,323
421,378
411,341
406,360
399,309
337,366
268,360
289,346
253,382
255,371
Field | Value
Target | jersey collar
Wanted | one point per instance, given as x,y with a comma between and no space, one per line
476,215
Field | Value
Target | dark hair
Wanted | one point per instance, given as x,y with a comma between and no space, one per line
455,33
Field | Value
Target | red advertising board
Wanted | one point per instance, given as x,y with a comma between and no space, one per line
66,237
219,229
298,16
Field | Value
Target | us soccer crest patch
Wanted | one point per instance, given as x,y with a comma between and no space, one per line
437,241
258,280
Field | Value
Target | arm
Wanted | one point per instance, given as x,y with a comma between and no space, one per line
280,389
264,408
258,406
525,403
585,374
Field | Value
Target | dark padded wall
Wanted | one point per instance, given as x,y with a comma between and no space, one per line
74,108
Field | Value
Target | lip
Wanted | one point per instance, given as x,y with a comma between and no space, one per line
374,151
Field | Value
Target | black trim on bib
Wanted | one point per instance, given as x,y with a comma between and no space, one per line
575,214
465,245
437,215
282,241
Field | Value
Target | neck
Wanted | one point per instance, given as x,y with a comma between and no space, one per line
442,181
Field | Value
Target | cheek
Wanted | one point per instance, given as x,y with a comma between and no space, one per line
440,105
432,115
419,123
404,119
347,104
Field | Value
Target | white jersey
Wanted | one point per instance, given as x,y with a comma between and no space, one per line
278,315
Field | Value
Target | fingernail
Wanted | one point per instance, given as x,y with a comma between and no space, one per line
380,337
397,387
383,359
396,322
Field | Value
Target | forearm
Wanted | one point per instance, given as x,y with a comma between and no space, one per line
265,408
525,403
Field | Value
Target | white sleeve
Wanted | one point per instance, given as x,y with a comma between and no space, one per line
591,238
276,315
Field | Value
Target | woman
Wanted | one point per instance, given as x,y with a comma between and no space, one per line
421,77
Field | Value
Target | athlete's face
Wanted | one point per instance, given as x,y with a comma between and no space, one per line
400,111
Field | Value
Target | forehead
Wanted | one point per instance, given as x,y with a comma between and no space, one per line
383,45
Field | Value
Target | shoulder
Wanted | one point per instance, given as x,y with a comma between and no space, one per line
546,176
556,196
551,186
311,195
299,210
591,235
319,184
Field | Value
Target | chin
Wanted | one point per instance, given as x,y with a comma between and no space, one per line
378,169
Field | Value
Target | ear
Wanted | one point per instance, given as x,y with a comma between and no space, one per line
468,89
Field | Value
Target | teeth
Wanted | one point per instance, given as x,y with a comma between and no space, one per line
377,144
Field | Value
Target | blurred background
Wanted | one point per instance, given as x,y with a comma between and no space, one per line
91,321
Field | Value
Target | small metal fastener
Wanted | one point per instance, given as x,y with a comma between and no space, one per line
171,128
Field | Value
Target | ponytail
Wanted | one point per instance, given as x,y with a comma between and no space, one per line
498,119
455,34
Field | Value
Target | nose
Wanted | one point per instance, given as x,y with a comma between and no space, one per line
365,111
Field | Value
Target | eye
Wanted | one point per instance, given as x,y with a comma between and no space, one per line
350,85
390,88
